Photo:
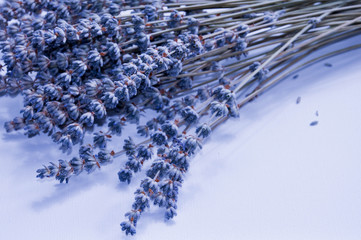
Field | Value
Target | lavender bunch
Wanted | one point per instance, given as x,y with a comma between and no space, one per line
79,64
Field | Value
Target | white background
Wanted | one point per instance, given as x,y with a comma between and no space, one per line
266,175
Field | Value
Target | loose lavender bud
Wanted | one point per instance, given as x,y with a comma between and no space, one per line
125,175
219,109
28,113
175,19
176,69
189,115
115,126
244,29
76,164
191,144
133,216
128,228
203,130
64,79
241,45
87,119
76,132
100,139
79,68
62,61
113,51
144,152
114,9
47,171
104,157
170,213
95,59
98,108
262,74
150,13
66,143
159,138
193,25
134,164
143,130
129,146
170,129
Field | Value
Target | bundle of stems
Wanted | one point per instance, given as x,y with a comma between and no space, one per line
191,64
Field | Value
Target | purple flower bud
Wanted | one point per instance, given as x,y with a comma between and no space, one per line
128,228
125,175
95,59
159,138
66,143
98,108
79,68
175,19
87,119
219,109
144,152
189,115
104,157
63,79
203,130
76,132
100,139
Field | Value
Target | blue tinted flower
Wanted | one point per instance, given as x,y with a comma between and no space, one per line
159,138
100,139
76,132
189,115
95,59
87,119
104,157
125,175
203,130
128,228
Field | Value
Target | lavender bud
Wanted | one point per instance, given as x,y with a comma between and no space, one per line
159,138
144,152
128,228
189,115
204,130
100,139
219,109
87,119
76,132
104,157
66,143
125,175
170,129
95,59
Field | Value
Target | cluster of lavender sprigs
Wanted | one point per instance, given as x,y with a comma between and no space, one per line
191,64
